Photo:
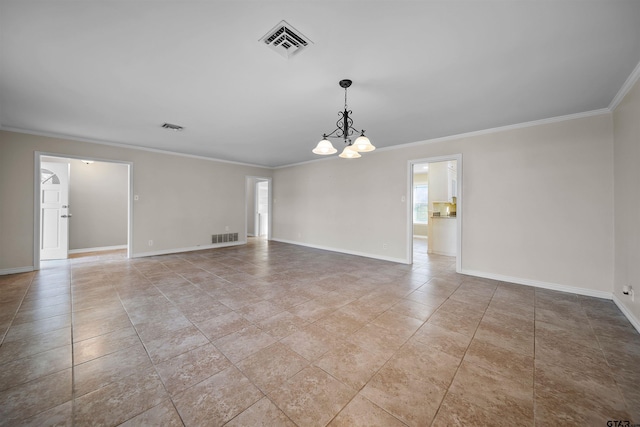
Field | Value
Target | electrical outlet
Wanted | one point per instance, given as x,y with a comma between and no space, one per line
385,246
226,228
150,242
136,197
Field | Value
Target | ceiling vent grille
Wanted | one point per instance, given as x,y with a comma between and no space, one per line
286,40
172,127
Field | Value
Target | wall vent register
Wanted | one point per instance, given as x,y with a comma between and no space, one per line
224,238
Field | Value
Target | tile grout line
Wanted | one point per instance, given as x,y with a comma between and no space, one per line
535,324
73,367
155,369
463,356
24,296
606,359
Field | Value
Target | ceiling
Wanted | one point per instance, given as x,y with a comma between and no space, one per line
115,71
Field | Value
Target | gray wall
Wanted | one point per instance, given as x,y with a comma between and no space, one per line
183,200
98,196
626,121
535,203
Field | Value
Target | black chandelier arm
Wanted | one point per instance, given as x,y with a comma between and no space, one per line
345,127
339,132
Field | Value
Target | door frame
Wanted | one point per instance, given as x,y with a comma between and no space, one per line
255,179
459,202
36,199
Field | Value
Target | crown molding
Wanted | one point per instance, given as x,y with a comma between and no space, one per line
626,87
523,125
489,131
120,145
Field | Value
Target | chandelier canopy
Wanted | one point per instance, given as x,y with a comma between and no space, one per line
345,131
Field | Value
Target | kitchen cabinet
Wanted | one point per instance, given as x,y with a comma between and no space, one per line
442,235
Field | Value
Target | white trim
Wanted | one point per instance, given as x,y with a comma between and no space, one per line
634,76
628,314
540,122
540,284
343,251
501,129
626,87
16,270
37,165
120,145
189,249
98,249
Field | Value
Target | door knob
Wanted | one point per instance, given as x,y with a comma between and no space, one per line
66,216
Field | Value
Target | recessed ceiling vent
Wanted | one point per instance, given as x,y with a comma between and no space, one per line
286,40
172,127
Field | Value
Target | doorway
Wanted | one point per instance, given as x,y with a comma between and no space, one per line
95,215
54,210
258,207
435,209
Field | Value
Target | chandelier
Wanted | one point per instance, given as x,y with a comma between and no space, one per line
344,131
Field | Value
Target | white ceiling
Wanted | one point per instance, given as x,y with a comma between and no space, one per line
115,71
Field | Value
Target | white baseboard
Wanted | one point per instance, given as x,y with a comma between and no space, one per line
540,284
16,270
628,314
563,288
98,249
343,251
189,249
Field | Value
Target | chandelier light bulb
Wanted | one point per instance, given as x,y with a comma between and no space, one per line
349,153
362,144
324,148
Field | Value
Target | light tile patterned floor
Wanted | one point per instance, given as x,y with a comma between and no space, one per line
279,335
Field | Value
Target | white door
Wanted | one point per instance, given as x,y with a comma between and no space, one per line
262,208
54,210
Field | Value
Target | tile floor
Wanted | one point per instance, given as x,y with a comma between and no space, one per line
273,334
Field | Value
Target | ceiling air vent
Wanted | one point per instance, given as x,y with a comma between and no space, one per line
286,40
172,127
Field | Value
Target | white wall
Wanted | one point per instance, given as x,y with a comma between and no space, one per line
183,200
537,203
626,127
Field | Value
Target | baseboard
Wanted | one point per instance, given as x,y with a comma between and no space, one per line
540,284
628,314
343,251
98,249
189,249
442,253
16,270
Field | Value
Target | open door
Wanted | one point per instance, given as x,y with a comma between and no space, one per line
262,211
54,210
